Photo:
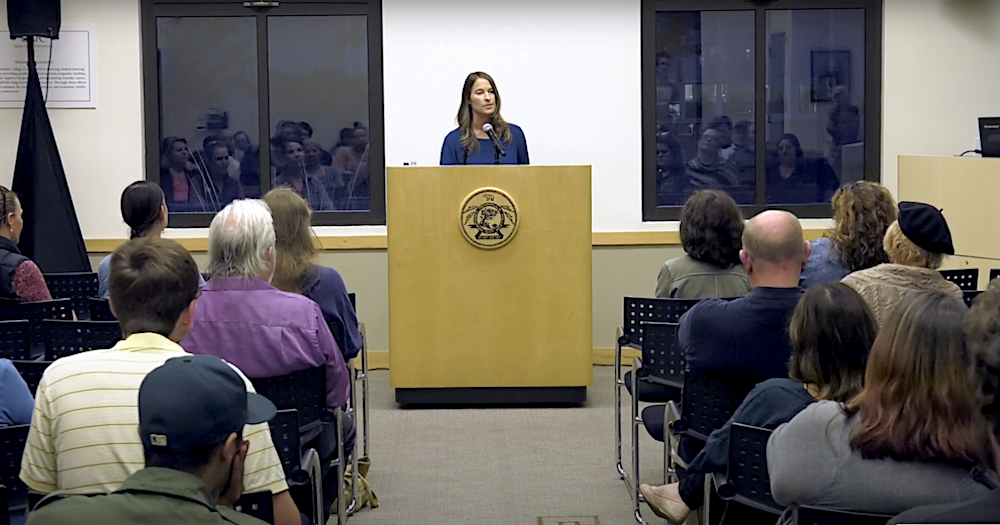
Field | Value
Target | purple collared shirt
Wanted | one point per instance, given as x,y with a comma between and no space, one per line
266,332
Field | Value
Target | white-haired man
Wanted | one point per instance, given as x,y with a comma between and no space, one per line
262,330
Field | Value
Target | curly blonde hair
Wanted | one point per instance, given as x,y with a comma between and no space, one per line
862,211
901,250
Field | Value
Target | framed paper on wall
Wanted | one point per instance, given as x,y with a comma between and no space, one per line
829,70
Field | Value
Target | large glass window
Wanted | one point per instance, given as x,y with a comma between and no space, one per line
245,97
775,103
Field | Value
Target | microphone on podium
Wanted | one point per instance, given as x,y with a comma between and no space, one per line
497,143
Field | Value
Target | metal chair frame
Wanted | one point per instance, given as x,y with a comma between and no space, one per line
967,279
746,482
301,466
77,287
636,312
65,338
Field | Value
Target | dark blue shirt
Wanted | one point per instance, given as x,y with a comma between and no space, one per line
746,338
326,287
453,153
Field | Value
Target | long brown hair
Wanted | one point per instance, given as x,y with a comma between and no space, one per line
918,403
294,248
469,140
862,211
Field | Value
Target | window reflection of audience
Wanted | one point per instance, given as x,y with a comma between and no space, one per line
724,125
179,177
351,160
744,156
671,172
293,176
843,124
243,145
332,181
222,189
325,158
226,137
707,170
792,179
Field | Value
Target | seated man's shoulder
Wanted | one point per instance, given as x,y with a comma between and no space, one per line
83,509
101,509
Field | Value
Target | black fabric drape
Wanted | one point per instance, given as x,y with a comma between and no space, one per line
51,235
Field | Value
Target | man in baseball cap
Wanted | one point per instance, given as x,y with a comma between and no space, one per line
192,411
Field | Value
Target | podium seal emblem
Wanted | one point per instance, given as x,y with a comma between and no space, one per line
488,218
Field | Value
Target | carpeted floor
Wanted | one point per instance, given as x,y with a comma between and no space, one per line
546,466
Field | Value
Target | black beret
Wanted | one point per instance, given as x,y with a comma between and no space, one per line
925,226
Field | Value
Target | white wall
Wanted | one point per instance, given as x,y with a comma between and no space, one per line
568,73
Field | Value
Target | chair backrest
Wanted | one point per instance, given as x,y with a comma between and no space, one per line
15,339
63,338
354,301
966,278
100,310
285,434
304,390
77,287
662,356
970,296
31,372
257,504
994,273
747,475
4,512
805,515
707,403
12,440
641,310
35,313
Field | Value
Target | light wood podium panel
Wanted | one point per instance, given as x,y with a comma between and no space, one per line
466,317
966,189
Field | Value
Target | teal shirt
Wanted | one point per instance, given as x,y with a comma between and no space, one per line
151,496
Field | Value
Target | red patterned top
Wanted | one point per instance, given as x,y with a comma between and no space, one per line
29,284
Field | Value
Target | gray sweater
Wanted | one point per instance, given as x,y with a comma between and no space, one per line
810,462
885,285
686,278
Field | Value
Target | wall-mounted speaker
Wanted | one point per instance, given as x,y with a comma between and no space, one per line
33,18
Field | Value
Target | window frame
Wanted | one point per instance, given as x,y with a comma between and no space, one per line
872,103
150,10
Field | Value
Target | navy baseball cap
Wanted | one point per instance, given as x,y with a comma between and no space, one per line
196,401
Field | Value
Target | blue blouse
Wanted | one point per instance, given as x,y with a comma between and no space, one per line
453,153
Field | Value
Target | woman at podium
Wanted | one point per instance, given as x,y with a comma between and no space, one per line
478,119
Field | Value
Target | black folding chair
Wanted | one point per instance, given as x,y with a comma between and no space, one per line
305,392
636,312
257,504
970,296
706,405
302,467
967,278
805,515
64,338
4,513
15,340
31,372
77,287
12,440
746,482
994,273
100,310
34,313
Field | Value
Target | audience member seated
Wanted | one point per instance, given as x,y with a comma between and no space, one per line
711,235
916,244
982,336
744,156
223,188
912,436
16,403
243,145
295,271
793,179
83,433
671,172
226,137
192,412
724,125
862,212
831,333
20,278
262,330
293,176
333,182
144,209
179,177
747,338
708,170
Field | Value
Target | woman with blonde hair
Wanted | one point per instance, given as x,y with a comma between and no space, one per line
862,212
296,272
470,143
916,244
913,436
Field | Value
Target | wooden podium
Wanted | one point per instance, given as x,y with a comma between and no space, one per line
508,324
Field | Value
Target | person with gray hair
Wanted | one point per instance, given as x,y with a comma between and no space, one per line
262,330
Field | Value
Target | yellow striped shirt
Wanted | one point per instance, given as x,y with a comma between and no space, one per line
84,434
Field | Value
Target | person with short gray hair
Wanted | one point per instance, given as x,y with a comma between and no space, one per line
262,330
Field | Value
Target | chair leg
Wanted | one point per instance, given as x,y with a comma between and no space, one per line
341,511
636,421
619,384
352,373
364,386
